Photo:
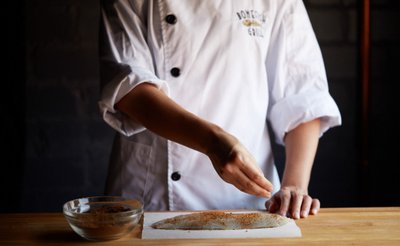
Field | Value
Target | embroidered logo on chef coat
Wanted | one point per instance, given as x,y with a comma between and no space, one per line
253,21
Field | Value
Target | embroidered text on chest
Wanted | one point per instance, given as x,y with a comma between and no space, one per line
253,21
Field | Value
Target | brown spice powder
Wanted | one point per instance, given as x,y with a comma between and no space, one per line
201,219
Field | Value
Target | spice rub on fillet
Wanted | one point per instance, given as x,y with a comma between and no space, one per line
216,220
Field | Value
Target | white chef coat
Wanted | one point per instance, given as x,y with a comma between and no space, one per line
239,64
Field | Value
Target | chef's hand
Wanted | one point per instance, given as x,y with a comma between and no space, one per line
300,148
230,159
293,202
238,167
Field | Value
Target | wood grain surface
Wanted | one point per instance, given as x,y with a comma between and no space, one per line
332,226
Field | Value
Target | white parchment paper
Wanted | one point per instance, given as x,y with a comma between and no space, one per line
288,230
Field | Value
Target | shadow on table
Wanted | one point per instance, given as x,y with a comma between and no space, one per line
60,236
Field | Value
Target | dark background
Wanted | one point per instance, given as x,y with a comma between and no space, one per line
55,146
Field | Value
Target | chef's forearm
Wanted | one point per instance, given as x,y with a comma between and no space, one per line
300,146
153,109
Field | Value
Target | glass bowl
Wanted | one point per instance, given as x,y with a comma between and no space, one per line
101,218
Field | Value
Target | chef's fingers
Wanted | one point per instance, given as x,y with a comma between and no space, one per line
258,180
272,205
249,186
248,164
296,201
234,175
253,172
306,206
285,198
315,206
268,205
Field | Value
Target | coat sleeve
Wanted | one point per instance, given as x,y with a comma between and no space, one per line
125,60
297,79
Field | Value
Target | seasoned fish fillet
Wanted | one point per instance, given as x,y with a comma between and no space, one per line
216,220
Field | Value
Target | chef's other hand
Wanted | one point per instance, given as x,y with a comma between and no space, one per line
293,202
240,169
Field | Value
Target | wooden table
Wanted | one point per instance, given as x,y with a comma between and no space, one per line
332,226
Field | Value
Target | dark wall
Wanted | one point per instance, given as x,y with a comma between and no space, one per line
12,116
382,181
67,143
57,146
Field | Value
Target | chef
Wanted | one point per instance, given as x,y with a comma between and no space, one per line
191,87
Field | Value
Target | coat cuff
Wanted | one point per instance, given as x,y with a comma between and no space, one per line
287,114
114,92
